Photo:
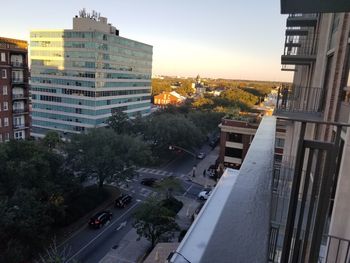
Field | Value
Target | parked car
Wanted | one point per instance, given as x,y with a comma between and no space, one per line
200,155
204,195
149,181
100,219
123,200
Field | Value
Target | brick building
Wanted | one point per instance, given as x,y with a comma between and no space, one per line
14,89
237,133
166,98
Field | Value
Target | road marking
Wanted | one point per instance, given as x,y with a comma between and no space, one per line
188,189
123,224
109,226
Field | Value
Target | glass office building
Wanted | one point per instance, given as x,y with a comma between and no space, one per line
79,77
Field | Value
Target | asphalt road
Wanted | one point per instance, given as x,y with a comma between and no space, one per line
90,245
184,163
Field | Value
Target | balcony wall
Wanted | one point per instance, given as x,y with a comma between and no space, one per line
234,224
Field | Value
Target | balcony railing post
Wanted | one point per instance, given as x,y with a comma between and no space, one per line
287,242
326,190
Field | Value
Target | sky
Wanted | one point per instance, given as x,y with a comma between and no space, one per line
233,39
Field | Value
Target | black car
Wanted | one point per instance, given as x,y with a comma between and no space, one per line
149,181
100,219
123,200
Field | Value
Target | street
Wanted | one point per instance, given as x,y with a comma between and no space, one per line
91,245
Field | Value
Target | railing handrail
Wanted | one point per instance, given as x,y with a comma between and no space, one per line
17,63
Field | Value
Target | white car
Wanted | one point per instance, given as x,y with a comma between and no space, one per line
204,195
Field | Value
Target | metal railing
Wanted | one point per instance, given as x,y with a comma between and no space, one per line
17,64
303,15
314,181
295,45
17,111
17,80
336,250
18,96
300,99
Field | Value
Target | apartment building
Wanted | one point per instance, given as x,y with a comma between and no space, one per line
237,133
81,76
296,210
14,89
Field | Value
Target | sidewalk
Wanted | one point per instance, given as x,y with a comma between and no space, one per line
204,164
129,250
184,216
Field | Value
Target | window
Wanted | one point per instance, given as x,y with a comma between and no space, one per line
19,135
3,57
4,74
6,105
278,158
17,121
279,143
7,137
4,90
335,27
0,122
235,137
6,122
233,152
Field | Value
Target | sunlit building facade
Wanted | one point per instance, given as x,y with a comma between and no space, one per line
79,77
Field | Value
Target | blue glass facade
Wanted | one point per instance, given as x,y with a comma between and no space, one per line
80,78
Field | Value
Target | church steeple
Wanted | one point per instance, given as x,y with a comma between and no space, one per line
198,79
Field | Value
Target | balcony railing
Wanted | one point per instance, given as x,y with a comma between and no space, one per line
299,46
18,111
300,214
18,96
17,80
297,100
335,250
19,126
17,64
302,20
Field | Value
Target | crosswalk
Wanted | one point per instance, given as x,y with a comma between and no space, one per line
128,186
160,172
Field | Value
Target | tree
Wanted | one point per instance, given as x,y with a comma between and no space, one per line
173,129
106,155
33,186
119,122
206,121
185,89
54,254
154,222
168,185
203,103
51,139
238,96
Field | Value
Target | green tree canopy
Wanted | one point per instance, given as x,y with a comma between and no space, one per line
33,186
51,139
106,155
119,122
153,221
173,129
